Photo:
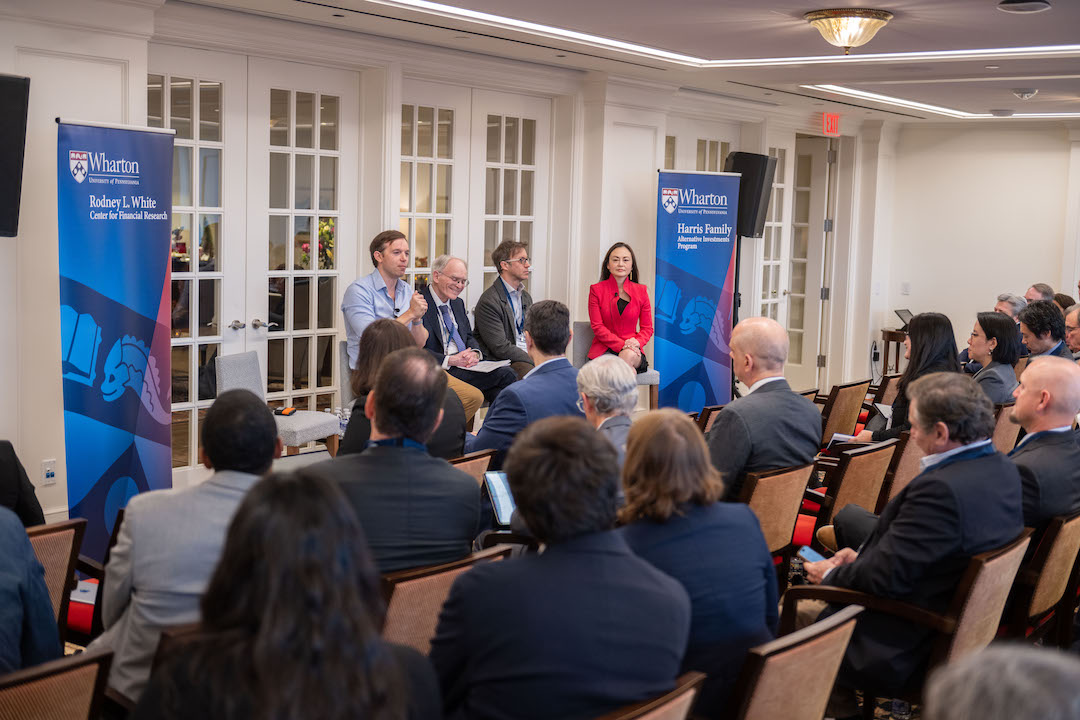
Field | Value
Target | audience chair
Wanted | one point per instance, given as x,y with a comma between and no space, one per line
475,464
415,597
519,544
707,417
693,416
1044,594
241,371
775,497
969,624
583,337
1006,432
902,470
57,548
841,409
71,688
87,626
1018,368
345,374
857,479
792,676
810,394
674,705
171,638
886,391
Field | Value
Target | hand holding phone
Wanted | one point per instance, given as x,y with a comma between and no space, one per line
809,554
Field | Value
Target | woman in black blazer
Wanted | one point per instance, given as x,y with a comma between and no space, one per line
674,520
381,338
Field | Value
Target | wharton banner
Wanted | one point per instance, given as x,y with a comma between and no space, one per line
114,195
695,286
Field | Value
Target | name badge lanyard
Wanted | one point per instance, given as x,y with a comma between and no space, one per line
519,323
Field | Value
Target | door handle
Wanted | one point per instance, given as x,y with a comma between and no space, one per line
257,323
237,325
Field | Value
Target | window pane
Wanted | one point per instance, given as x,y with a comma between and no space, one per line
301,304
275,303
405,202
407,130
494,138
446,134
767,245
798,278
279,234
803,166
528,142
796,307
491,192
795,348
181,176
279,117
180,250
525,235
781,155
279,180
423,187
511,140
422,243
442,190
425,132
509,192
181,373
773,308
714,152
491,239
210,111
305,120
442,238
327,242
802,206
324,361
209,307
209,239
701,154
181,438
328,183
765,293
181,311
509,230
669,152
155,101
799,246
301,379
210,177
326,316
405,226
776,280
305,166
328,122
301,243
324,402
180,107
489,277
526,192
275,365
201,413
207,360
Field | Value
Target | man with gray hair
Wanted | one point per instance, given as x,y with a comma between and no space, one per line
608,389
1039,291
1072,329
770,427
1010,304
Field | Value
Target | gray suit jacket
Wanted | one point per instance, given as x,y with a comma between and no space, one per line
168,546
616,429
997,381
495,330
768,429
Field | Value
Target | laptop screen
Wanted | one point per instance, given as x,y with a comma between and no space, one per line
905,315
502,500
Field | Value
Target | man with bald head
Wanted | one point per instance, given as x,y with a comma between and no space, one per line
1047,400
770,427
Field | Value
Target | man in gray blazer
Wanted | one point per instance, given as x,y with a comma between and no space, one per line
170,540
500,311
608,389
770,427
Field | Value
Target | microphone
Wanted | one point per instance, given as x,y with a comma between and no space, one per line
396,311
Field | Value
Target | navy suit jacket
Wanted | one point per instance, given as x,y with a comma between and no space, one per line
575,632
965,505
548,390
1049,464
733,597
435,342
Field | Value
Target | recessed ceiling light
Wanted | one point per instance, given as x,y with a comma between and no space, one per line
1025,93
993,67
1002,112
1023,6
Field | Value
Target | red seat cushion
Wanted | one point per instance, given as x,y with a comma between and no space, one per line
804,530
80,615
864,415
810,506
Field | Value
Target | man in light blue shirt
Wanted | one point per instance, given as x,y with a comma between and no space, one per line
370,298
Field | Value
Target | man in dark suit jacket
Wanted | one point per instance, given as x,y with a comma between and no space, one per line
771,427
965,501
577,631
500,311
450,338
549,389
1042,326
415,509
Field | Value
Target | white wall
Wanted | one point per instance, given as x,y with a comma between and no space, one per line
977,210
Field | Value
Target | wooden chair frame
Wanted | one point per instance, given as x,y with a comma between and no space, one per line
496,538
390,580
998,410
96,570
835,475
707,417
1058,620
78,525
810,394
469,457
102,658
902,446
687,683
785,553
831,425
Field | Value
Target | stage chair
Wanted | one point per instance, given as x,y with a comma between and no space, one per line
841,409
1044,594
674,705
475,464
57,548
71,688
775,497
583,337
1006,432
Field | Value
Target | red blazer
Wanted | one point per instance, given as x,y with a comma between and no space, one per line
610,329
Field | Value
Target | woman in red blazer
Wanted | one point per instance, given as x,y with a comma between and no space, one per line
619,309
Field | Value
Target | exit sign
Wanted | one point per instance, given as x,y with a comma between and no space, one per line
830,124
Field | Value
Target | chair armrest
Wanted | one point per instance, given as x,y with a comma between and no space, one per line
90,567
820,400
492,538
844,596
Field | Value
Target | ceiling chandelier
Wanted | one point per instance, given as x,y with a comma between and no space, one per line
848,27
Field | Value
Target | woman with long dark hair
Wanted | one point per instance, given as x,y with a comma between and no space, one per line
291,622
929,347
995,344
619,310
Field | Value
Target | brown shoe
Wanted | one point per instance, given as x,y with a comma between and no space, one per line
827,537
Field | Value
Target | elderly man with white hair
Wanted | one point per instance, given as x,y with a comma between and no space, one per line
608,389
770,427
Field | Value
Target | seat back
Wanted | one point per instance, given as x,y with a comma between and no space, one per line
860,477
347,396
1018,368
240,371
1053,562
71,688
583,337
56,547
980,599
905,466
775,497
97,626
707,417
674,705
1006,432
810,394
475,464
888,389
842,409
415,597
792,676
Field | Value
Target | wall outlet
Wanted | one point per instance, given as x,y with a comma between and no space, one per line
905,288
48,472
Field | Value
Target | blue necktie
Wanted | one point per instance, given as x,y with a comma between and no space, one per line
449,322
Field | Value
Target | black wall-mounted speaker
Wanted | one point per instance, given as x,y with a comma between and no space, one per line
755,189
14,97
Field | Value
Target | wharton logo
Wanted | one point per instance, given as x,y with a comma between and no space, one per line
79,161
669,199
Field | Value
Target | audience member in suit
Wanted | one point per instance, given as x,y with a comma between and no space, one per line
170,540
993,343
1007,304
16,490
1064,302
415,509
619,310
671,515
291,622
966,500
1047,400
381,338
500,311
930,347
609,394
28,633
1072,330
550,388
1039,291
577,631
1043,329
770,427
450,337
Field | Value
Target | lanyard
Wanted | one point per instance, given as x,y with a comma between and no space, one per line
520,323
397,442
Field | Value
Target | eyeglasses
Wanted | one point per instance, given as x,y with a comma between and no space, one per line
463,282
522,260
581,404
1070,328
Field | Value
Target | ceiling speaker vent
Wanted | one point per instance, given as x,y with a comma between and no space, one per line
1023,6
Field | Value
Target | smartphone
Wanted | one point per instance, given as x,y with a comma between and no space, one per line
502,500
810,555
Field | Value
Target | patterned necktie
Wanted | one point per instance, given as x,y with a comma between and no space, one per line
448,321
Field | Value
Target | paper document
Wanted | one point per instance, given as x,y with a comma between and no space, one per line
486,366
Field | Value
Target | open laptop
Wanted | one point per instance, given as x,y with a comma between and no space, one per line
502,500
905,316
